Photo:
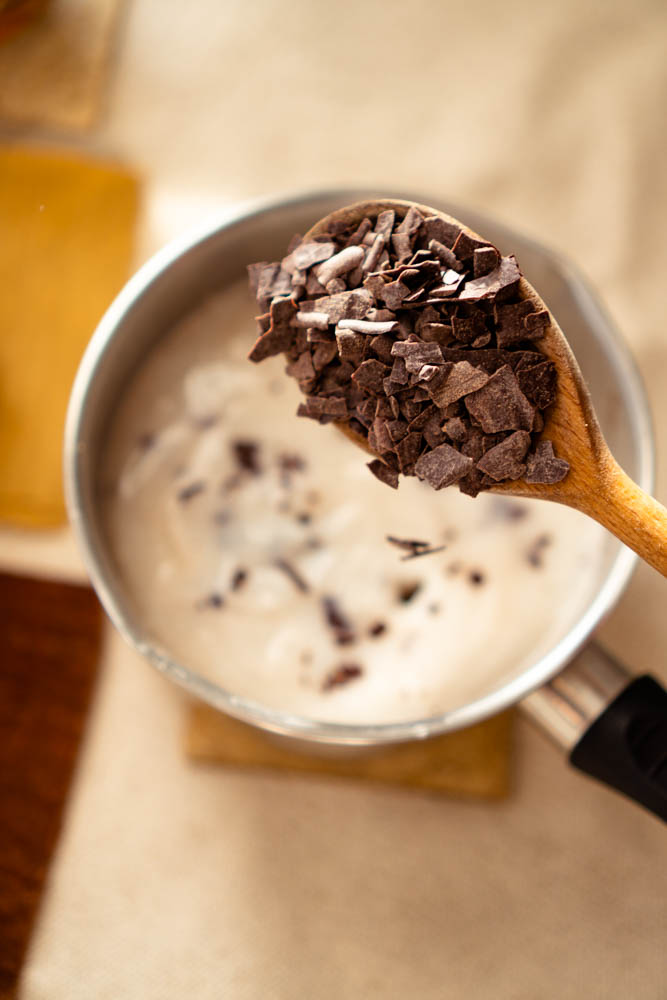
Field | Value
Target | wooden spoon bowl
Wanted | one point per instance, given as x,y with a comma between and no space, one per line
595,484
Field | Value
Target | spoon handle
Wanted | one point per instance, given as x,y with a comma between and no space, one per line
635,517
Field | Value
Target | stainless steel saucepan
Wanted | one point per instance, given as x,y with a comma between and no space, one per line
610,724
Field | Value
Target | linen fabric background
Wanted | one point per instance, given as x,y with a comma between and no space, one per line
175,880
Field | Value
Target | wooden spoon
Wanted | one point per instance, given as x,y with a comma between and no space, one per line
596,484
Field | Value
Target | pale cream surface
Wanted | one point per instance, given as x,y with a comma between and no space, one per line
183,518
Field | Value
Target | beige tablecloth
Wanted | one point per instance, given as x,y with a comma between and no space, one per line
174,880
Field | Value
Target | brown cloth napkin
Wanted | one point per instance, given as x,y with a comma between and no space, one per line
16,15
49,645
471,762
67,231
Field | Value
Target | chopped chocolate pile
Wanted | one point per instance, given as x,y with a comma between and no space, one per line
417,336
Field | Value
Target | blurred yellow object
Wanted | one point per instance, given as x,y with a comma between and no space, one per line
17,14
67,231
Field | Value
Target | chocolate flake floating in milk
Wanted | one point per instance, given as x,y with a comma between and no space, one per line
414,548
417,336
407,591
288,464
246,454
239,578
343,674
534,555
292,574
338,621
190,491
213,600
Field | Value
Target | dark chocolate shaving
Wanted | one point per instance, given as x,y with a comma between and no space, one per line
302,368
511,322
411,544
357,236
407,451
444,254
443,466
505,460
469,329
538,383
402,246
370,376
307,254
544,467
350,346
535,554
239,578
341,675
280,335
537,323
467,245
323,354
213,600
417,354
500,405
411,221
459,380
292,574
455,429
269,280
384,473
502,281
407,591
190,491
485,260
436,228
344,305
323,408
424,552
338,621
246,454
385,223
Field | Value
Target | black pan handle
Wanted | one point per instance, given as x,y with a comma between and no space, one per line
613,725
626,746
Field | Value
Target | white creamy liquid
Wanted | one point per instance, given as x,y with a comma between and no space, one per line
183,519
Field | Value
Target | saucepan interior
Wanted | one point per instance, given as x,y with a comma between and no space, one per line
178,278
